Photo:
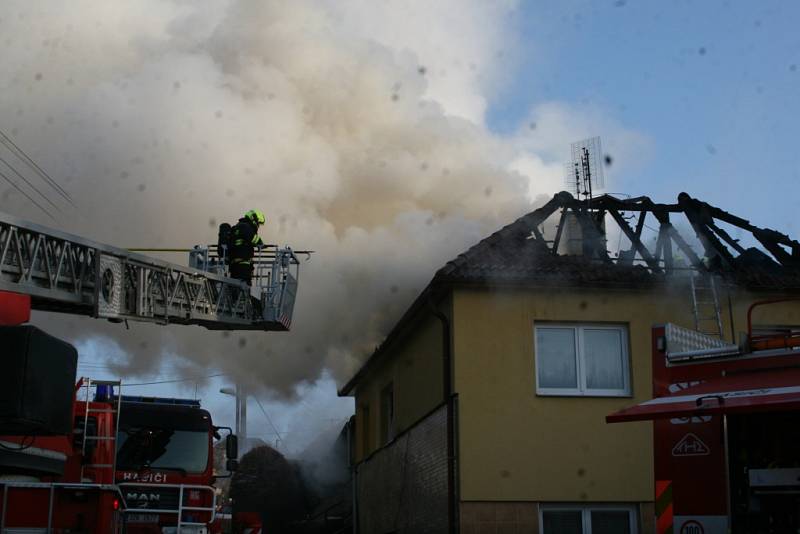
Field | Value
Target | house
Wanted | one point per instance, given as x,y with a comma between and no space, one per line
484,408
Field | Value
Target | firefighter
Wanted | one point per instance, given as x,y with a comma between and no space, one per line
243,241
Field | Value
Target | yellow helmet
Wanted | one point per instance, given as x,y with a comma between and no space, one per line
256,216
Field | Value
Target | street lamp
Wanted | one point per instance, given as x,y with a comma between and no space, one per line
241,411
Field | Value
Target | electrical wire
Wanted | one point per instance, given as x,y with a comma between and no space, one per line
21,177
124,384
269,419
6,140
100,368
26,195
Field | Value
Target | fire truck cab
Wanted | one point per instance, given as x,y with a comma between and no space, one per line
165,464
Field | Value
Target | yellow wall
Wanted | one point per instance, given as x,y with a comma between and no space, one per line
414,366
515,445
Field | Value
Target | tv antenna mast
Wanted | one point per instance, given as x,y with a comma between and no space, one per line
585,174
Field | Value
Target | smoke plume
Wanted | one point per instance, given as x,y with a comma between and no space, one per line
356,126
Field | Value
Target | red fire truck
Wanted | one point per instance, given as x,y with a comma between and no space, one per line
82,459
726,430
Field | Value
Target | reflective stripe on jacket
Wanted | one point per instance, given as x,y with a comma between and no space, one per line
244,238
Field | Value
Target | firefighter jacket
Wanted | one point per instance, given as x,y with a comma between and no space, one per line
244,239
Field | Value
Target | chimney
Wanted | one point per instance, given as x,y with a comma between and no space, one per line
573,242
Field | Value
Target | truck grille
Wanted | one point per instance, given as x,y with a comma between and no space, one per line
150,497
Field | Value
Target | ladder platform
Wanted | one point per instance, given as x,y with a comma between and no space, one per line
66,273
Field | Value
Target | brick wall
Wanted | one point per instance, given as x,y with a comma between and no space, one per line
402,488
499,517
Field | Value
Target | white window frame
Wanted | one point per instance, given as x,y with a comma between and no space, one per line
586,514
582,390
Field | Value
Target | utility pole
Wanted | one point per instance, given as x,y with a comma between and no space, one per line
241,415
241,412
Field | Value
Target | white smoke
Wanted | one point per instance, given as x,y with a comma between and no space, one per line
356,126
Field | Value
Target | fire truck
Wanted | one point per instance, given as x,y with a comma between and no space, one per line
726,428
132,463
165,463
85,458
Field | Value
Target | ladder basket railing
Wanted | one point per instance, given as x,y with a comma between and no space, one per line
276,273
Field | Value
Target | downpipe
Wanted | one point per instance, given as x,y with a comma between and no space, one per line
447,392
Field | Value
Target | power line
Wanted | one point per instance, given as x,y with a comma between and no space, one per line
274,428
173,381
15,171
168,381
41,172
26,195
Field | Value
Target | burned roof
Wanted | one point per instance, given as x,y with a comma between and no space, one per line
522,253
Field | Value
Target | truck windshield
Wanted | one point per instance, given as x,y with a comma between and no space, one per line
160,448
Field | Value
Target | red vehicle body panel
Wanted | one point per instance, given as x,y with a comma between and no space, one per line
767,391
73,501
689,402
14,308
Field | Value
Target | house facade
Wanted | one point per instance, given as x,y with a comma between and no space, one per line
484,409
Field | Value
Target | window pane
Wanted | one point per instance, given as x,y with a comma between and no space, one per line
562,522
610,522
555,349
603,359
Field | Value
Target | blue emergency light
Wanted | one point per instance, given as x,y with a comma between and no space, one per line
104,393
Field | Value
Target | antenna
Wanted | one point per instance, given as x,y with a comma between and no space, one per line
585,173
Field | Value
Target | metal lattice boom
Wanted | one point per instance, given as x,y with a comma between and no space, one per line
66,273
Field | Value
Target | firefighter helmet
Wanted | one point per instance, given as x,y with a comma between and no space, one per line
256,216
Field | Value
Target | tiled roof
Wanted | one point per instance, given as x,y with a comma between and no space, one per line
514,256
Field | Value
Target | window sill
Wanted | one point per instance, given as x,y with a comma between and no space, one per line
593,395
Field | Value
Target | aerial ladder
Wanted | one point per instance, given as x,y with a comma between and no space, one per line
66,273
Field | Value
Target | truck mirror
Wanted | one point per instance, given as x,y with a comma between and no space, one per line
232,465
232,447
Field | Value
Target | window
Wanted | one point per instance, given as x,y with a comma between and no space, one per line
593,519
162,448
582,360
387,413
